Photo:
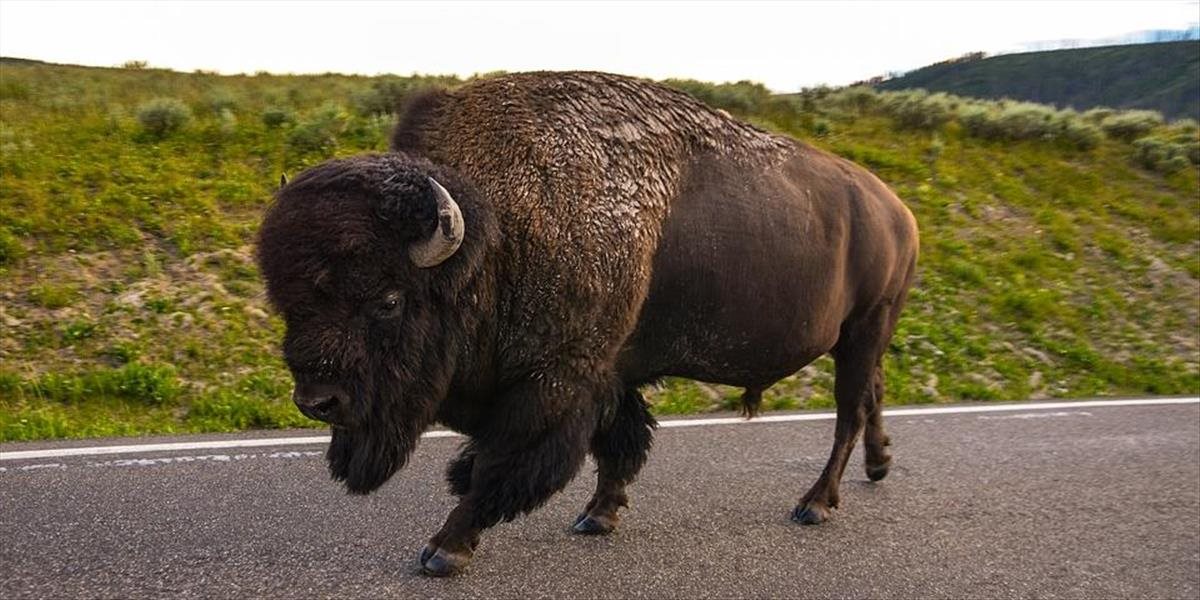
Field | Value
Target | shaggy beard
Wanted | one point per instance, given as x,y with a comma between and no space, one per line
365,457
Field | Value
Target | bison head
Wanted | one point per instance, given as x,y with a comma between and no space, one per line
362,258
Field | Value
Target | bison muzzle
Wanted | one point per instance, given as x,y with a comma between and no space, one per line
535,248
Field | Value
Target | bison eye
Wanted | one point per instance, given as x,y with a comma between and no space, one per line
389,306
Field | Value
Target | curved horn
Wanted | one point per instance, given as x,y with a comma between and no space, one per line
446,238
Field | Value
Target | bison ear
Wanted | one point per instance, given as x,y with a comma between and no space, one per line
423,213
407,204
446,237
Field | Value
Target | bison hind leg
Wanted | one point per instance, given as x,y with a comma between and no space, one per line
876,458
858,389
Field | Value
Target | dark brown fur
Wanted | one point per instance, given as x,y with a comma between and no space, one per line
617,232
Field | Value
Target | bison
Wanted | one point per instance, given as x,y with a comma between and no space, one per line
537,247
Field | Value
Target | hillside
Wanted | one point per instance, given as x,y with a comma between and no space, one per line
1060,252
1164,77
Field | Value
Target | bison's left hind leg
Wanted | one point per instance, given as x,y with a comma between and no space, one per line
876,457
856,361
620,446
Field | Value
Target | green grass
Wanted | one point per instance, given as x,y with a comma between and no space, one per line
132,305
48,295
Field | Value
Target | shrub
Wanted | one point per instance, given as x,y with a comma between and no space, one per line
1188,148
1186,126
1186,133
859,98
1026,121
1098,114
122,352
114,120
387,94
932,153
1176,162
274,117
1079,133
741,97
221,100
78,330
1009,121
979,120
918,109
11,248
369,132
384,97
135,65
161,117
1160,155
53,296
1131,124
318,133
227,122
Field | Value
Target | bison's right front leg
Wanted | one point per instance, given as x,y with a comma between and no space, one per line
532,452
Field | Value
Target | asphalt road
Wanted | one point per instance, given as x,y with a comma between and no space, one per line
1076,502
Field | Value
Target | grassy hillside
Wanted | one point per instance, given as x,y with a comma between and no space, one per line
1164,77
1051,266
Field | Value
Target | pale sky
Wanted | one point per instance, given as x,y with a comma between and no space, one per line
786,45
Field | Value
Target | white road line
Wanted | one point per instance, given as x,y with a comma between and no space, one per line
1040,415
668,424
939,410
166,460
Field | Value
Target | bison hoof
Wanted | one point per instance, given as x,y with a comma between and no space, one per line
877,472
593,525
810,514
441,563
427,552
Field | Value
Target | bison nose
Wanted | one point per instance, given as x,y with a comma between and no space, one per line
320,402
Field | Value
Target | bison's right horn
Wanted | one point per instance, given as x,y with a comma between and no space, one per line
446,239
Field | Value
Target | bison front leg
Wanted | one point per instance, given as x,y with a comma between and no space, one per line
620,445
514,469
459,471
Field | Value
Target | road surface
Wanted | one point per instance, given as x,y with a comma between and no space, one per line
1065,501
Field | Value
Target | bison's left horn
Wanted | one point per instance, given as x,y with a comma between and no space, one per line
446,238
